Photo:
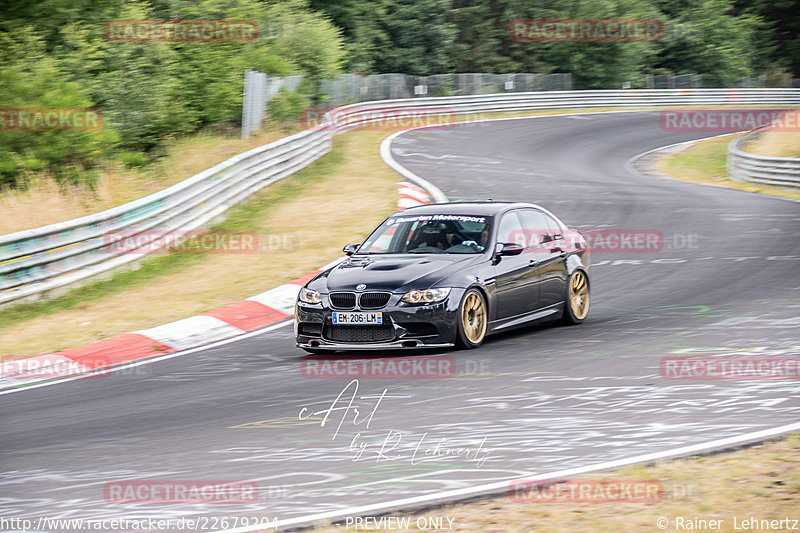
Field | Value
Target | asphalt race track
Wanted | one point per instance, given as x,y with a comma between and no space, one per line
527,403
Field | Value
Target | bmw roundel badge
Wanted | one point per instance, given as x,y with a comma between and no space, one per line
360,287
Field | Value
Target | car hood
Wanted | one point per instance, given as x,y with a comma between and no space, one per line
395,272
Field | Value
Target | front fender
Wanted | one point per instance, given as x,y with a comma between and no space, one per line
578,261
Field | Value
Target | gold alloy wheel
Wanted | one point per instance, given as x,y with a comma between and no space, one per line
473,317
579,295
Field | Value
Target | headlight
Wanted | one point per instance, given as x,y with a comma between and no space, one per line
427,296
310,296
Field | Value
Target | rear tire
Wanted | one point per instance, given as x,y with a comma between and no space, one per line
576,307
472,320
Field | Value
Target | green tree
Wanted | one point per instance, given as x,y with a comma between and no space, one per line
138,85
32,79
717,43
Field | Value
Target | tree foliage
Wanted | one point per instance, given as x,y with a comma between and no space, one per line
723,40
54,54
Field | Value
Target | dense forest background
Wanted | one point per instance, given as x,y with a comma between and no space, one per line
53,54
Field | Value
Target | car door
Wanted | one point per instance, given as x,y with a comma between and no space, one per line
546,246
516,289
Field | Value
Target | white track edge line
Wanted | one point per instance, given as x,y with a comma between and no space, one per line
386,154
436,194
147,361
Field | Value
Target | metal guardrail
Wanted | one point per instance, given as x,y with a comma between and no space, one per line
754,168
54,256
624,99
46,258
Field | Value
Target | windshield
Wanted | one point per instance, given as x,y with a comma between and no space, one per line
429,234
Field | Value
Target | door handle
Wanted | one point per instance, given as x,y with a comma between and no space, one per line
533,262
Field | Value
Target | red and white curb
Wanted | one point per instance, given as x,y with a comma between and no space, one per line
256,312
411,195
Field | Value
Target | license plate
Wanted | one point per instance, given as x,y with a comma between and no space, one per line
374,319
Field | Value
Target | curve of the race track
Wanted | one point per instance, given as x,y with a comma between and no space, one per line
526,403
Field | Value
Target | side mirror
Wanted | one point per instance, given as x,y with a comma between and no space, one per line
350,249
508,248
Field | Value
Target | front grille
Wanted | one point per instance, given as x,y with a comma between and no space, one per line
343,300
374,300
384,332
309,329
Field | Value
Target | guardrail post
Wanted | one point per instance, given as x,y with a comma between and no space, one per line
247,103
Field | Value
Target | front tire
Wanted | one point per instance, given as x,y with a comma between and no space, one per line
472,320
577,305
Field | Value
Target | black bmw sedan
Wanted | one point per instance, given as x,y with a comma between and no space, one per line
441,275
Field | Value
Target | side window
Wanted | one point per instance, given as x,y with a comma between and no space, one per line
537,228
510,230
555,228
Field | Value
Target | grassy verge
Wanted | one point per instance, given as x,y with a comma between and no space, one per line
704,162
761,482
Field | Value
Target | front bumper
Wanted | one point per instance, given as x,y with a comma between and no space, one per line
404,326
322,344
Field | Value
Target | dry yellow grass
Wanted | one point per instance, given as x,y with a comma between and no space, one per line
220,279
780,140
761,482
776,144
23,208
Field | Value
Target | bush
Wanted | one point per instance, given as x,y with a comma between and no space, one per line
132,159
34,80
286,106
